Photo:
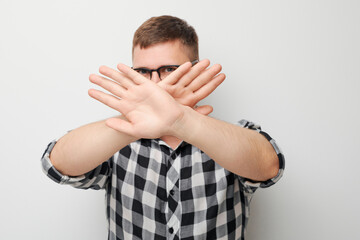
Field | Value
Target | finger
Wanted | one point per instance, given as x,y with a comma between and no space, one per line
131,74
121,125
119,105
108,85
205,77
205,90
204,110
176,75
116,76
195,71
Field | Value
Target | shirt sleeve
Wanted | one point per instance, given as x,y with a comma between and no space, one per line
95,179
251,185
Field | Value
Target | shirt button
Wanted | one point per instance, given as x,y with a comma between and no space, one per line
171,230
172,192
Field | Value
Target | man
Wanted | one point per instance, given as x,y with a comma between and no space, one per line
170,171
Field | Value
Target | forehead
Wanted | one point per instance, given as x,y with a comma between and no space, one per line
166,53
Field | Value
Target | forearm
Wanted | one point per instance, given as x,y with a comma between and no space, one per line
242,151
86,147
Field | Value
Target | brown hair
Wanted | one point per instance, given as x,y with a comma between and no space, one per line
167,28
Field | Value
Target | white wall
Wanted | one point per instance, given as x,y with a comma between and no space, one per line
292,66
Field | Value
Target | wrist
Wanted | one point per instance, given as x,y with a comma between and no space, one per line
188,125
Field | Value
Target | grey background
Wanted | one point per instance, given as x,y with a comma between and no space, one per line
292,66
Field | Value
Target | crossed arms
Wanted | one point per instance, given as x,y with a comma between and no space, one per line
153,110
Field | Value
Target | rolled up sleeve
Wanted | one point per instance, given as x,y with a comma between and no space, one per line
251,185
96,179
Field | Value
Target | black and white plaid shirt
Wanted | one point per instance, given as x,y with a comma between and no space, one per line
154,192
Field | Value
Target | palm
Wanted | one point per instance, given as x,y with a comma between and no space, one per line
188,87
184,96
150,110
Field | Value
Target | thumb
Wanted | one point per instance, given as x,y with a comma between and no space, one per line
204,110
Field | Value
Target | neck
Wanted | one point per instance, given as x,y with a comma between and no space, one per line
172,141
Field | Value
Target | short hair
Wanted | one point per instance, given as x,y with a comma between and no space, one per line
167,28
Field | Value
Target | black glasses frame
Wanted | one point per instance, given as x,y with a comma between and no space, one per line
162,67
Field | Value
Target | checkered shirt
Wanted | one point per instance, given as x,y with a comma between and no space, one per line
155,192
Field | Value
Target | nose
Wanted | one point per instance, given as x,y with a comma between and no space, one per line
155,77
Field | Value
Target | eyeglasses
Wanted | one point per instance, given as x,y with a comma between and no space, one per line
162,71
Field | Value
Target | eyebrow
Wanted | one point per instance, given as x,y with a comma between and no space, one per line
173,65
170,65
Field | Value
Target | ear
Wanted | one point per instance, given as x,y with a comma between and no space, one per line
204,110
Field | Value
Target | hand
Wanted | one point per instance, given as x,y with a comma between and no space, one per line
188,87
151,112
205,82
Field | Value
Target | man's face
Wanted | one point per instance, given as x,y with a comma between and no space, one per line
161,54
